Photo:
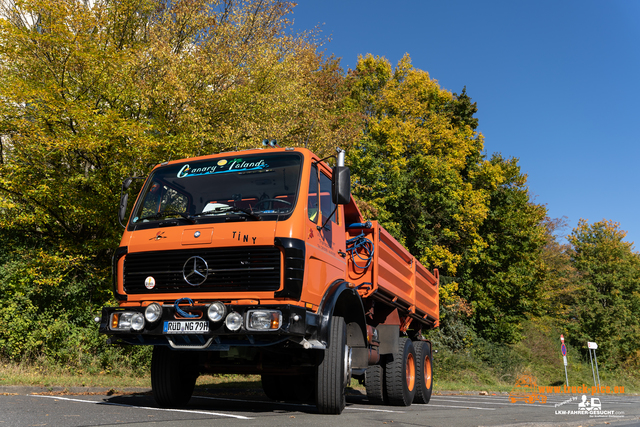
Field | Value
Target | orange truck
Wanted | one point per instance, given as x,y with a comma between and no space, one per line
259,262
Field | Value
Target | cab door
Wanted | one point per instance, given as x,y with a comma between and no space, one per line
325,231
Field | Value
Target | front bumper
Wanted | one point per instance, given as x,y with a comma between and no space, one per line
298,327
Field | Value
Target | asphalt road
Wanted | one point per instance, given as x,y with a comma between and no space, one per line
26,409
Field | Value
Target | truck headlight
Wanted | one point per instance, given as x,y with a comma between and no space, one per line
153,312
137,322
233,321
216,311
264,320
123,321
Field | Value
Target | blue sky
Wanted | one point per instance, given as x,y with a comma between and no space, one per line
557,85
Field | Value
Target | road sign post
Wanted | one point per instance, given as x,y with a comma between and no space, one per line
563,349
592,347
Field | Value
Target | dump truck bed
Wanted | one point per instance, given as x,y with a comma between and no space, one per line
395,277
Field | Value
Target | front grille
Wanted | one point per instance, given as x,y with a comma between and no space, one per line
229,269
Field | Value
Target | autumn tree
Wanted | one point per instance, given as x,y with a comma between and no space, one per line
95,91
605,305
412,162
561,278
504,285
419,168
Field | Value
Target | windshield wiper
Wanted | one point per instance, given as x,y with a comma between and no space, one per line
165,214
218,211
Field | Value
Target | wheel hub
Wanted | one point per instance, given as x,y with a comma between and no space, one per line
347,365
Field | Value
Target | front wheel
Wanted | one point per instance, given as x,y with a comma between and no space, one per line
173,376
424,370
334,371
400,374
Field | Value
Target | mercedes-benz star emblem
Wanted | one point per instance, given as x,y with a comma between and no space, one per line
195,271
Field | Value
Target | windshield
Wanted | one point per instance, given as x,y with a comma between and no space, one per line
256,187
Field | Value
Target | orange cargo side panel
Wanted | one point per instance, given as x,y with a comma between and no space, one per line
395,268
427,290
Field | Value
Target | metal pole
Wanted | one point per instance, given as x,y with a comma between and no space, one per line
592,371
563,349
594,355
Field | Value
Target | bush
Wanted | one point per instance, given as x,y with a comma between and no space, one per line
47,309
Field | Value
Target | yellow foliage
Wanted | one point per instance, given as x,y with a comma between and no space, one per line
413,155
99,91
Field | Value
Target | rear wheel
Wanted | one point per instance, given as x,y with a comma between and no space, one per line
374,383
400,374
424,372
334,371
173,376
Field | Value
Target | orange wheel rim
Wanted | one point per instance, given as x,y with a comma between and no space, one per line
410,372
427,372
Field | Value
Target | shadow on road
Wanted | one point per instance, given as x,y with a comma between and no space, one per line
232,397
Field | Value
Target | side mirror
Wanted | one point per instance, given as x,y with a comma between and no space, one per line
126,183
124,199
341,185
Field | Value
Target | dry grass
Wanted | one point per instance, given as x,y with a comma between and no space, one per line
37,375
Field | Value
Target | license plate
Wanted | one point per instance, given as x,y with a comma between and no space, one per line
186,327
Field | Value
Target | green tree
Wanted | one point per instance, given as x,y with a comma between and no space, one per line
504,285
411,165
560,282
92,92
605,306
419,169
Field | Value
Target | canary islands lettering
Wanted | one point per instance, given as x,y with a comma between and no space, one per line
223,166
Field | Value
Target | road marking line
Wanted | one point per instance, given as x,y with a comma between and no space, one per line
375,410
143,407
485,398
292,404
504,403
453,406
469,398
267,402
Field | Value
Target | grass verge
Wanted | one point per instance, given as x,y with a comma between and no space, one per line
481,366
496,367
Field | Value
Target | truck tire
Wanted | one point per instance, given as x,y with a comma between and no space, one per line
400,374
424,372
374,383
173,376
333,371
